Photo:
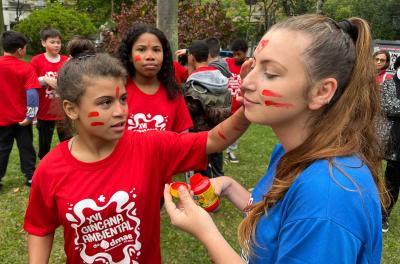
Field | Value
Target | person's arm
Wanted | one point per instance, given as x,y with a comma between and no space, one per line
32,103
227,187
227,132
39,248
196,221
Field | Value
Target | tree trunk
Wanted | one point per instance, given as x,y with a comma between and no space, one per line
320,4
1,24
167,20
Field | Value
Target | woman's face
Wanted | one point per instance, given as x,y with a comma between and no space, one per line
147,55
380,61
275,91
102,111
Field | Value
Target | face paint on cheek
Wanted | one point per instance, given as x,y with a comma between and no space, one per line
270,93
97,124
263,43
137,58
280,105
93,114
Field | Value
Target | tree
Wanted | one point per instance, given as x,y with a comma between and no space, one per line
167,20
379,14
196,20
68,21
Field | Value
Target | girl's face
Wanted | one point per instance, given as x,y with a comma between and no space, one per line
102,111
275,90
380,61
147,55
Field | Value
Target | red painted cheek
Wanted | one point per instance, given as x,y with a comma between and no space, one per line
97,124
221,135
93,114
137,58
263,43
122,109
275,104
270,93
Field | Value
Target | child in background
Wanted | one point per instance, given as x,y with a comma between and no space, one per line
50,114
239,48
18,104
104,184
319,202
155,100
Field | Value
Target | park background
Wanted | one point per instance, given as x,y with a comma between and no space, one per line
105,21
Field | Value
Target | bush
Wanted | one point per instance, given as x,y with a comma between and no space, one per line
67,21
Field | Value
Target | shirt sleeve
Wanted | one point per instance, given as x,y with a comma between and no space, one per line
316,240
31,78
183,121
41,217
182,152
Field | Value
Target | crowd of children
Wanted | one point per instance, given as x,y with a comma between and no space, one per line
123,125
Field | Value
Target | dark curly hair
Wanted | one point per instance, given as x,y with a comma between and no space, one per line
166,75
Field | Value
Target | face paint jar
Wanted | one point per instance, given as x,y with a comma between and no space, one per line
204,192
175,186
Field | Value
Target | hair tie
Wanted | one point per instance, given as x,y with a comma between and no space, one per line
349,28
83,56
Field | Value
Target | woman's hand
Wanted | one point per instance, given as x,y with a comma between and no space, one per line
189,216
247,66
221,184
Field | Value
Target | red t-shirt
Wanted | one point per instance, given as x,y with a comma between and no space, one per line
16,76
49,103
234,83
156,111
181,73
110,209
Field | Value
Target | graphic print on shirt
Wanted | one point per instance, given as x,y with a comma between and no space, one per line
106,231
50,92
142,123
234,84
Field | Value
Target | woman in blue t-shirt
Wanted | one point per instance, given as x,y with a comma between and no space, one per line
313,82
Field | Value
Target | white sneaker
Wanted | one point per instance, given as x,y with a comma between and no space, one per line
232,157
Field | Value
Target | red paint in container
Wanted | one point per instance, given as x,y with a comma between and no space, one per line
204,192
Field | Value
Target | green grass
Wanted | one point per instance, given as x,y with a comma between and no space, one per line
177,247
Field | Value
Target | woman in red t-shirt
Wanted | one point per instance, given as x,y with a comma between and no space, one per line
104,185
155,100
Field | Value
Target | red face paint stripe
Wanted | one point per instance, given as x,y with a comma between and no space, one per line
221,135
267,92
97,124
93,114
117,91
275,104
137,58
237,129
263,43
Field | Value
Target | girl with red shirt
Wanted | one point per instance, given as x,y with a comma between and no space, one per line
155,100
104,184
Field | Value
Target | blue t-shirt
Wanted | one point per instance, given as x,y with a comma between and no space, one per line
322,218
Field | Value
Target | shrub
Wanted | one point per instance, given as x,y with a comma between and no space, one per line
67,21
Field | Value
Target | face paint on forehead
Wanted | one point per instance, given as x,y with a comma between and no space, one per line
280,105
137,58
93,114
270,93
117,92
263,43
